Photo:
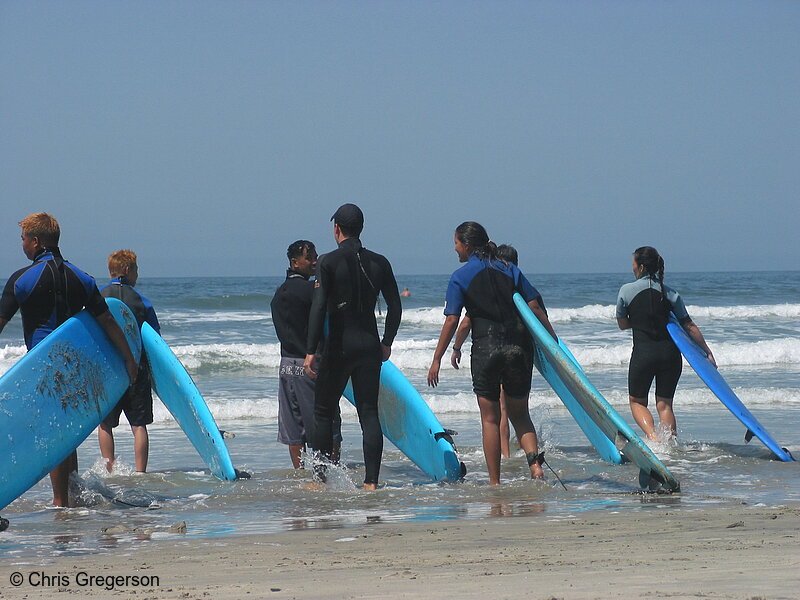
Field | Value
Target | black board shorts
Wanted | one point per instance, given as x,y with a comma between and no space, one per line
495,363
660,361
136,403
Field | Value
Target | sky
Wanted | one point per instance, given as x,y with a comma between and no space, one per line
207,136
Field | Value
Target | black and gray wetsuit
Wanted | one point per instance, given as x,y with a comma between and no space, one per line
654,355
349,280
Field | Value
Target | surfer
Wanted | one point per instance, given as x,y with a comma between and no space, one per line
290,308
644,306
137,402
349,281
502,349
47,293
508,254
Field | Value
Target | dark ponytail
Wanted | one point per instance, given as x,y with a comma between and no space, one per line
474,235
653,263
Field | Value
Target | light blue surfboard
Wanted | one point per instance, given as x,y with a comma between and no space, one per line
565,371
57,394
604,446
696,357
180,395
409,423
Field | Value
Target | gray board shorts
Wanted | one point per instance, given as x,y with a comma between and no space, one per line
296,405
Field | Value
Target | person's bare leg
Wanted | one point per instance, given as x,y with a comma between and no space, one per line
505,431
59,479
490,433
105,435
294,453
665,414
141,446
643,417
518,414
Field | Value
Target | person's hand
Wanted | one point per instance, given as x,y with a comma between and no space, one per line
308,366
133,370
386,351
433,374
455,358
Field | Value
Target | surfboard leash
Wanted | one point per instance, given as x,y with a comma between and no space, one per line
532,458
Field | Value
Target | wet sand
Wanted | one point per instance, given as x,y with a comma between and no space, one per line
732,551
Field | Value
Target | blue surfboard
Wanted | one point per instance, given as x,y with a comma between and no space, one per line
57,394
568,376
180,395
409,423
696,357
604,446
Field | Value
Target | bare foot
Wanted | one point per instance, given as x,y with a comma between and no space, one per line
370,487
313,485
536,471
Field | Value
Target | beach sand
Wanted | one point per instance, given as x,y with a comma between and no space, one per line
731,551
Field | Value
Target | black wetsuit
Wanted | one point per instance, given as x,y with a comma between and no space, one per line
349,280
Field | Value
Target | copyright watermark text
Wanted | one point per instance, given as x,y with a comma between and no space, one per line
82,579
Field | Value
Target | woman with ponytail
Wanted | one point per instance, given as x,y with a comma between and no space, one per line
644,306
502,349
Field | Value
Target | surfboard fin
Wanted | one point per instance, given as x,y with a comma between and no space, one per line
447,435
650,480
3,524
748,435
789,453
241,474
620,441
227,435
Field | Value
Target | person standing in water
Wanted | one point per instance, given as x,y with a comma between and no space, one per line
507,253
502,349
47,293
349,281
644,306
290,308
137,402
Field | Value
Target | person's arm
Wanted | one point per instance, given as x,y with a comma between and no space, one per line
694,333
112,329
448,329
2,324
540,313
316,318
394,311
624,323
461,335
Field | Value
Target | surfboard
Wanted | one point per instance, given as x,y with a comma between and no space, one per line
57,394
604,446
696,357
180,395
565,375
408,422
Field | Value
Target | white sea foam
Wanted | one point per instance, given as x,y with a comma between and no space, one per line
602,312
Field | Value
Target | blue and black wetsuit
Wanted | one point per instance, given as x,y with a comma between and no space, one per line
654,355
47,293
502,350
349,280
137,402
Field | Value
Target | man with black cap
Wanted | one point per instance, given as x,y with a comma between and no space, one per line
349,280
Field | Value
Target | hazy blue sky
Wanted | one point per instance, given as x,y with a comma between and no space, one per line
207,136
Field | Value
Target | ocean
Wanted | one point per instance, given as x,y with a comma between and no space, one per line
222,331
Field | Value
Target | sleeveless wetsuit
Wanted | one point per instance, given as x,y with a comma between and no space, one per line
502,350
654,355
349,280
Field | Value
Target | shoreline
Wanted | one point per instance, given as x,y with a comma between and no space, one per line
730,551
